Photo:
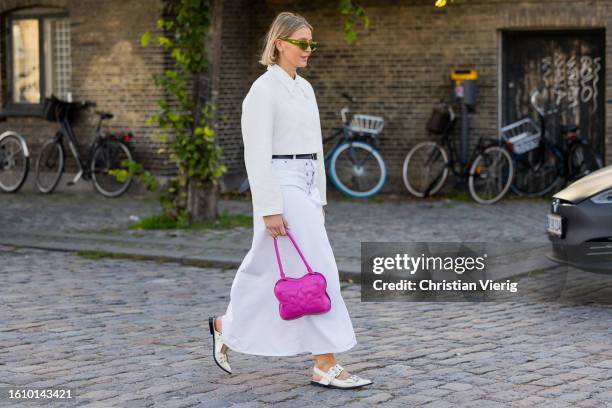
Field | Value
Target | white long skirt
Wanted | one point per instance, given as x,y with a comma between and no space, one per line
252,323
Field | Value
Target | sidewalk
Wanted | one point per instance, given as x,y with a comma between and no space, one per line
86,222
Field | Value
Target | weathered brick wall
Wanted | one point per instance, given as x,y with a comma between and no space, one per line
237,49
113,69
110,67
400,66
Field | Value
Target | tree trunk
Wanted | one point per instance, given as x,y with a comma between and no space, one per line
202,203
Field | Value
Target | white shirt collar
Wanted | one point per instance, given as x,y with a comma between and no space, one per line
285,78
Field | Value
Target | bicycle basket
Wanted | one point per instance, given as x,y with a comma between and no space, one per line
55,109
439,120
521,136
369,124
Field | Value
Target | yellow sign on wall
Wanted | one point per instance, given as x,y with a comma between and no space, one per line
459,75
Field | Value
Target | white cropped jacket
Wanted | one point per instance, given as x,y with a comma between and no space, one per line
280,115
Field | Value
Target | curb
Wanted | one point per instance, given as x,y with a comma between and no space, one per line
513,264
116,248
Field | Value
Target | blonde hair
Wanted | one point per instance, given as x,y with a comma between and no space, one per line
284,25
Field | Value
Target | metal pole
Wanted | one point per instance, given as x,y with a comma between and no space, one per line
465,133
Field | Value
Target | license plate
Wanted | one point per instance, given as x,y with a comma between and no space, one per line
555,225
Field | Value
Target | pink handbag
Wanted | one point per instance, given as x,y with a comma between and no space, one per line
300,296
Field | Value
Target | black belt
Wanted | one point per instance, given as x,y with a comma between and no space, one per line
312,156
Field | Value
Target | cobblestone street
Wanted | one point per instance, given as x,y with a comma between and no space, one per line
134,334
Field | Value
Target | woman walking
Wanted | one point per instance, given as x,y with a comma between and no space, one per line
283,154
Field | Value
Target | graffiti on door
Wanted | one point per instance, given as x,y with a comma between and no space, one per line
566,69
582,80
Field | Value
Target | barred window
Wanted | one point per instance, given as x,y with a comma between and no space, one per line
38,62
57,39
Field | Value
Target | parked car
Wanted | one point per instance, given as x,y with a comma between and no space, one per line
580,223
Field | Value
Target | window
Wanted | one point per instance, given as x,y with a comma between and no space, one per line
38,58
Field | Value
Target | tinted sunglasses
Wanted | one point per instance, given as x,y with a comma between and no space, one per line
303,44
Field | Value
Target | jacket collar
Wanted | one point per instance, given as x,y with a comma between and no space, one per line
291,84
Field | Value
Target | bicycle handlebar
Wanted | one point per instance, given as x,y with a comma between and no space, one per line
538,108
349,97
69,105
345,110
343,113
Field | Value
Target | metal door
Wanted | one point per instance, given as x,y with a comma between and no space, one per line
568,69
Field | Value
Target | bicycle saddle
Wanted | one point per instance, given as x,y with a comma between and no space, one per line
105,115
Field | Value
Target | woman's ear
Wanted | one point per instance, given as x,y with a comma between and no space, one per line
277,45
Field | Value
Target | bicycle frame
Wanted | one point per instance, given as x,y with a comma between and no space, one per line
338,142
545,143
67,130
448,142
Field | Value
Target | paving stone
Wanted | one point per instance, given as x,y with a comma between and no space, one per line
457,386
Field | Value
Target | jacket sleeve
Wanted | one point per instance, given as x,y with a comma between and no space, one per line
321,176
257,124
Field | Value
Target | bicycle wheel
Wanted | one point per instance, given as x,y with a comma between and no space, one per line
14,164
536,172
491,175
49,166
357,169
108,156
425,169
583,160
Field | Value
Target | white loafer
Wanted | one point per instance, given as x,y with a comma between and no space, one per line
329,379
220,358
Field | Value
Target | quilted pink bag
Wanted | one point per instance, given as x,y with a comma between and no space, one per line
300,296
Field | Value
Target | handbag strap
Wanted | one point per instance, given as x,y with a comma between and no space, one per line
280,265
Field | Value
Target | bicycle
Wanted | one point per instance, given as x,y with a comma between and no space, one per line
14,160
355,165
488,171
106,152
544,165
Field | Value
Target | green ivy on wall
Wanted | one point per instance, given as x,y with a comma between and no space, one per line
353,13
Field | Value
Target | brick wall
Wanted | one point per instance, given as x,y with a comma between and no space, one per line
400,66
397,69
235,76
110,67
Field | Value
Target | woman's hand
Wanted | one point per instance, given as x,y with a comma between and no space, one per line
275,224
323,211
